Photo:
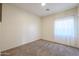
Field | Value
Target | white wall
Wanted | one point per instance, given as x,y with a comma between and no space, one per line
48,27
18,27
77,41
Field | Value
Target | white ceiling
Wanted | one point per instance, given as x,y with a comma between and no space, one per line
39,10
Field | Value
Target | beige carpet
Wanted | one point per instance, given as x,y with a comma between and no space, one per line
42,48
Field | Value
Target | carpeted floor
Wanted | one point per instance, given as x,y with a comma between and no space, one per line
42,48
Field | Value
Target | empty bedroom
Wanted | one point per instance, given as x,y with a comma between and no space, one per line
39,29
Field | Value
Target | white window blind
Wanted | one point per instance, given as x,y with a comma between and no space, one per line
64,27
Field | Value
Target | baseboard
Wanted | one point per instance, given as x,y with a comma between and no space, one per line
17,46
40,39
61,44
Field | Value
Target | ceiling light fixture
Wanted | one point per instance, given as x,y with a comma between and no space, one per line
47,9
43,4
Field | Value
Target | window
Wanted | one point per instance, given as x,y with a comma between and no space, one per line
64,27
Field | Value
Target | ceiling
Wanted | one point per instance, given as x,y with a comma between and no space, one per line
39,10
